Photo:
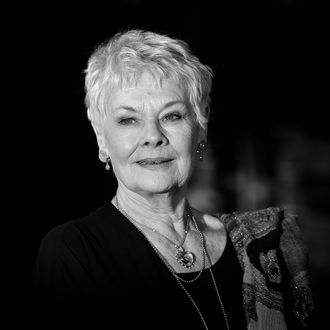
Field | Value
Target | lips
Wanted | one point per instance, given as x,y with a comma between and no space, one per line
154,161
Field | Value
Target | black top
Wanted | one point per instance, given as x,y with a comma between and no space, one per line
99,272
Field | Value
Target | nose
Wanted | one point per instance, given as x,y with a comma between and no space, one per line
153,135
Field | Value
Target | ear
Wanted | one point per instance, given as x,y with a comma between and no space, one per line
202,134
202,131
103,150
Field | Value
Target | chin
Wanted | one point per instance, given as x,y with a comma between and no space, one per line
156,187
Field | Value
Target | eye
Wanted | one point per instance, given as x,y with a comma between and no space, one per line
172,117
126,121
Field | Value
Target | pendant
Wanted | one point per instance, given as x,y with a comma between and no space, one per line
185,258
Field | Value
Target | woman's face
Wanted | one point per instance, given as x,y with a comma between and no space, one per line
151,135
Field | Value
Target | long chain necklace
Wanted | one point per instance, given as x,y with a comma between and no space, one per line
178,278
185,258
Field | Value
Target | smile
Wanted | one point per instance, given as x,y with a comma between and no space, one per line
154,161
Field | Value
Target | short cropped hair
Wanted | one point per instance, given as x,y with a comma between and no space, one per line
127,55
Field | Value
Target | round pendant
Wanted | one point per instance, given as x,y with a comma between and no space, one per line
185,258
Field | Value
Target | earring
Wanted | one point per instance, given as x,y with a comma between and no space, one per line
200,149
105,159
107,164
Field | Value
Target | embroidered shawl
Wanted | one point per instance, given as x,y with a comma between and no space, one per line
274,261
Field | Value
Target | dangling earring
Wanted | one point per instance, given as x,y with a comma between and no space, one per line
105,159
107,164
200,149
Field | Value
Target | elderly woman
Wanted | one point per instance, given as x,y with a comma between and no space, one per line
147,259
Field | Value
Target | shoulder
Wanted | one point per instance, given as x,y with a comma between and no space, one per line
271,250
272,227
68,252
255,223
60,235
258,223
76,232
207,220
254,220
60,243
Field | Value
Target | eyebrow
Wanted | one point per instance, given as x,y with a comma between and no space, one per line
166,105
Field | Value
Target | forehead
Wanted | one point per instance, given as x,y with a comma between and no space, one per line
147,92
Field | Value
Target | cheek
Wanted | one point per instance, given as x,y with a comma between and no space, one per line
187,146
120,151
118,145
188,142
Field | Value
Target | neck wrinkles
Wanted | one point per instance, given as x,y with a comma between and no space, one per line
165,214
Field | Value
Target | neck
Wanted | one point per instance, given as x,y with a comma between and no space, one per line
164,212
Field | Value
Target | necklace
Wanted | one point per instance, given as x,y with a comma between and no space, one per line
136,224
184,258
178,278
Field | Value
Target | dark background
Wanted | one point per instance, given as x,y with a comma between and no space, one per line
269,139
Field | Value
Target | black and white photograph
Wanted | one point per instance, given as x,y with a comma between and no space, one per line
169,165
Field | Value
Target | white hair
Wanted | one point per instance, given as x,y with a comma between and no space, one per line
126,56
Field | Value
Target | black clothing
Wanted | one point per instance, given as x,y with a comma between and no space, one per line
228,275
99,272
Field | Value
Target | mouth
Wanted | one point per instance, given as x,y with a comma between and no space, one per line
153,161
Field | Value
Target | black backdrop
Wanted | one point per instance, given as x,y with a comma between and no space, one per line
269,60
